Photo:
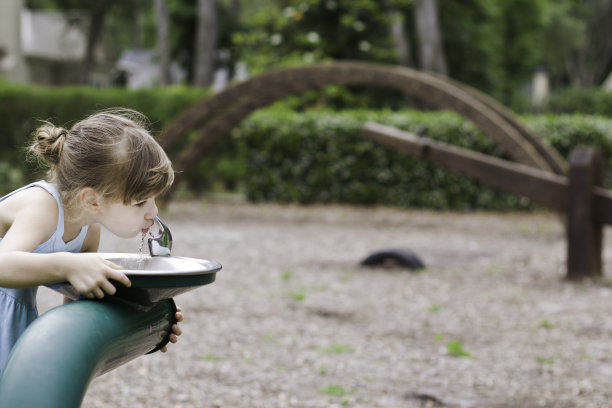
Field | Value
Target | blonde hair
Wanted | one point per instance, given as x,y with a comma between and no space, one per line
110,151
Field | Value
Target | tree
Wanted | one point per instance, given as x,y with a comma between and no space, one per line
431,51
303,31
519,23
97,13
400,38
206,42
576,41
163,40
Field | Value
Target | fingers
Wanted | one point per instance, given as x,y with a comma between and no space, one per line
102,285
120,277
116,275
176,331
112,264
97,292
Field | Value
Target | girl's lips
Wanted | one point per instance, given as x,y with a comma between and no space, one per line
145,230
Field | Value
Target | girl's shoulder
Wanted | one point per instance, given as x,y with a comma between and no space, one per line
35,196
35,204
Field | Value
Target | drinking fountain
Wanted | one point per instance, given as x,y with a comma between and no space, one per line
62,351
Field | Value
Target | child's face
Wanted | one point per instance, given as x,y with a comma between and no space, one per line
127,221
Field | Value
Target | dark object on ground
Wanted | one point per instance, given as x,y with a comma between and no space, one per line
394,257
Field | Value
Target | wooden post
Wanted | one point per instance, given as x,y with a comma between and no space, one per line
584,229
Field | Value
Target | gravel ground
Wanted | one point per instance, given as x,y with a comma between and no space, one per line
294,321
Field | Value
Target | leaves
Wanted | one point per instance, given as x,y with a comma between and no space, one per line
455,349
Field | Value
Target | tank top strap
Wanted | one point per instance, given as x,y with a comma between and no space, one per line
56,242
51,189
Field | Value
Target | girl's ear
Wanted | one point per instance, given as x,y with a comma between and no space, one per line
90,200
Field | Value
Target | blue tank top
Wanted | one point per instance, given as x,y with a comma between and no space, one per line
18,306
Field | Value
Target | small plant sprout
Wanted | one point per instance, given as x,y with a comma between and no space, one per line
455,349
434,308
336,349
547,324
544,360
335,390
211,357
298,296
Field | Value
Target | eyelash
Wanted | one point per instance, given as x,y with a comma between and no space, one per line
140,204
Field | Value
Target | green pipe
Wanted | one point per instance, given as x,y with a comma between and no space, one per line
56,358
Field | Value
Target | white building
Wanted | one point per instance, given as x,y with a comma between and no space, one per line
48,48
44,47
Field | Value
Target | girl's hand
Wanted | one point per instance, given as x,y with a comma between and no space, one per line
90,275
176,330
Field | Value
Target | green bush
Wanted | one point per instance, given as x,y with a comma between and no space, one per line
22,108
566,132
319,156
594,101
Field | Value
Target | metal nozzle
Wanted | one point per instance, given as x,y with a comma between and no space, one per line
160,244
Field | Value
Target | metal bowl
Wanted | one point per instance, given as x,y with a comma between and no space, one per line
154,278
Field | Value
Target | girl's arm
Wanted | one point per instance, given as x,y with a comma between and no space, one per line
33,224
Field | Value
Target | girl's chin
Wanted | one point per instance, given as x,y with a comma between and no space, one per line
129,235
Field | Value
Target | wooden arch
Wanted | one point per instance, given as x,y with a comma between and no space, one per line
216,115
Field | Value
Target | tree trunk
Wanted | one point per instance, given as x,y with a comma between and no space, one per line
400,39
97,14
163,41
431,52
236,8
136,26
206,43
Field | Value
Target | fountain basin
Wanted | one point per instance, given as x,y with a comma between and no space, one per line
153,278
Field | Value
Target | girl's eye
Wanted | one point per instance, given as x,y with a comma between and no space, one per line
140,204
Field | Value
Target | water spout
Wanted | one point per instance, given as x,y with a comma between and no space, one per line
160,244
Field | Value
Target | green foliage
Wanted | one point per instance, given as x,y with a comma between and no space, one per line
547,324
335,390
592,101
566,132
544,360
565,37
455,349
24,107
319,157
473,49
183,28
575,41
336,349
303,31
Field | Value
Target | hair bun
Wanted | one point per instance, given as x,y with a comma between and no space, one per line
48,143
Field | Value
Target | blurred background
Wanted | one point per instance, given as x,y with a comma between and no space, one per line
550,61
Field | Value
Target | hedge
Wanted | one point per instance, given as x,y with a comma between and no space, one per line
592,101
22,108
319,156
282,155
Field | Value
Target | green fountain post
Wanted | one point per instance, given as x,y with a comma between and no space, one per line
56,358
54,361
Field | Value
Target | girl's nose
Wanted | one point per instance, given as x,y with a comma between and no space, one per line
152,212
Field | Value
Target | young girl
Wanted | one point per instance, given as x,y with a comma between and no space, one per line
105,171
